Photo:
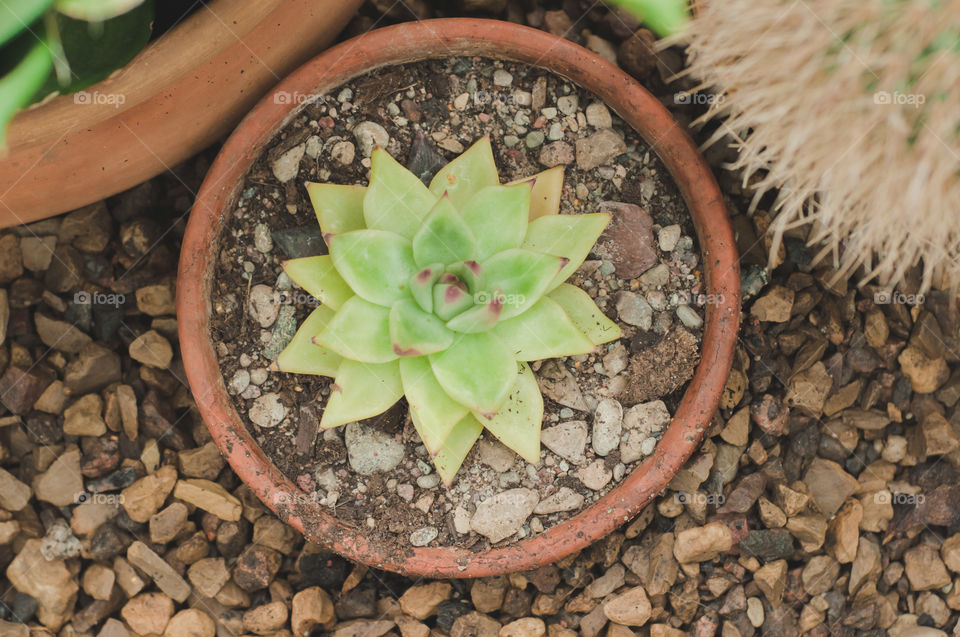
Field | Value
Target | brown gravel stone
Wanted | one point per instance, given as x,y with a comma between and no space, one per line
829,485
256,567
421,601
771,580
701,544
265,619
190,622
148,614
162,574
924,568
49,582
311,609
630,608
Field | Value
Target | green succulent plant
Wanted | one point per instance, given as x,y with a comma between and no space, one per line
442,294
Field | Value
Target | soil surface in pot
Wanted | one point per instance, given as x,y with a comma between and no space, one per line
603,412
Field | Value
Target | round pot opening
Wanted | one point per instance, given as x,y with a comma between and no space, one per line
434,39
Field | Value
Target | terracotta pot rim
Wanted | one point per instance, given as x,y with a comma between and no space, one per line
441,38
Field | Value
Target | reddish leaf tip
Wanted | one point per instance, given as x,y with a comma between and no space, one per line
410,351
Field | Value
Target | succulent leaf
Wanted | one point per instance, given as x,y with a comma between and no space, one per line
477,371
396,199
320,279
467,174
421,285
449,299
543,331
497,216
361,390
517,423
432,411
523,276
547,190
443,237
376,264
456,448
339,208
585,314
480,317
570,236
468,272
360,331
414,332
302,356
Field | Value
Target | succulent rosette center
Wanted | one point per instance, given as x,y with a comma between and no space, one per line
442,294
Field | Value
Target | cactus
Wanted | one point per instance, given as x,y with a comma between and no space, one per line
442,295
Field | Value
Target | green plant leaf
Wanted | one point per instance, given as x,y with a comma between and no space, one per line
396,199
543,331
361,390
95,10
585,314
443,237
466,175
421,285
459,443
339,208
498,217
664,17
468,272
480,317
414,332
17,15
523,277
376,264
449,299
360,330
547,191
317,276
477,371
94,50
20,83
302,356
570,236
433,412
517,423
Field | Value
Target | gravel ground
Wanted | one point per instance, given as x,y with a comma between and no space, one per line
822,501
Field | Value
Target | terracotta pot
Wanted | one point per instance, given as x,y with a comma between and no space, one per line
430,39
180,94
